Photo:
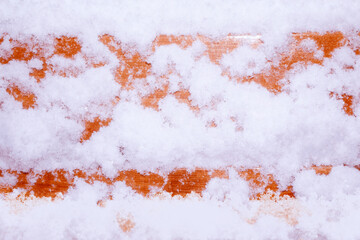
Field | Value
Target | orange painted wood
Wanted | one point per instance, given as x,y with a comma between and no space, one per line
179,182
135,67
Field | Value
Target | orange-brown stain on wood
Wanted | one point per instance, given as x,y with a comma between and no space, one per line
348,104
263,184
258,182
183,41
357,167
67,47
44,184
92,176
27,99
39,74
131,64
142,183
64,72
211,124
22,51
326,42
270,79
216,49
181,182
322,169
348,101
126,224
30,49
219,173
93,126
357,46
50,184
5,187
184,96
21,54
152,100
288,192
93,62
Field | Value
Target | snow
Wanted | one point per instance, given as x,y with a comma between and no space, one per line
220,121
220,213
245,61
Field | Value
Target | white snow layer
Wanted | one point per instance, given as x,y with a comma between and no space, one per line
283,133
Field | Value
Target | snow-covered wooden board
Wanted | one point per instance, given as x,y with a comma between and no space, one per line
132,67
132,72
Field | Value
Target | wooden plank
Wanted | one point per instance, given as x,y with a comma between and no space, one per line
133,65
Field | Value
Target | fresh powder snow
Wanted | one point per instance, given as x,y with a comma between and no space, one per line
184,106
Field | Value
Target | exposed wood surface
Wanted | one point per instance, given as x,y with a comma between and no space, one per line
179,182
134,66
